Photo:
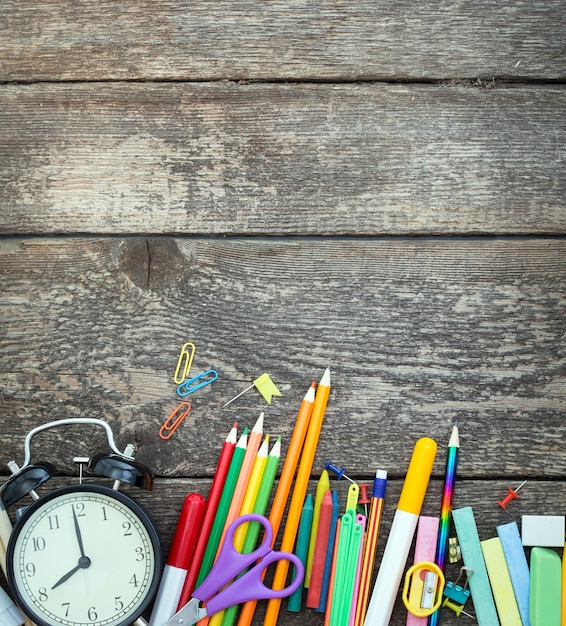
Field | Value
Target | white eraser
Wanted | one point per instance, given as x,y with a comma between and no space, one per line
545,531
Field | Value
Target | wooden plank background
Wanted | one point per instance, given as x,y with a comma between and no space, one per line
376,187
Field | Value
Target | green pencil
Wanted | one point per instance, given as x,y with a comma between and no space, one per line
223,506
260,506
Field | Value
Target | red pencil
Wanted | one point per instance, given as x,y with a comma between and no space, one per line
320,549
209,513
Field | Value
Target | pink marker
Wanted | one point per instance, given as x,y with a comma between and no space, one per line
175,571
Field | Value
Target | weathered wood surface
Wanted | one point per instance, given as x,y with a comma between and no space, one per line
336,41
283,184
417,333
282,159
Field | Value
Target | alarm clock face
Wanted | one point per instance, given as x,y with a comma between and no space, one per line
84,554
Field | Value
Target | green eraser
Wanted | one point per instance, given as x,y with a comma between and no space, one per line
546,586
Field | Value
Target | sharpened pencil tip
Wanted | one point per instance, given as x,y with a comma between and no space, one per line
325,380
310,395
258,426
276,449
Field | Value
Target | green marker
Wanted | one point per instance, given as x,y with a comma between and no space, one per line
223,507
260,506
302,549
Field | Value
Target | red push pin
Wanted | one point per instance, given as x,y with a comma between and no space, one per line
511,495
363,497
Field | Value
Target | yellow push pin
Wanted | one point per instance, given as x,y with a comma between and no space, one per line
264,385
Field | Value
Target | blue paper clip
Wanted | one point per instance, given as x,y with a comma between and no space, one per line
189,386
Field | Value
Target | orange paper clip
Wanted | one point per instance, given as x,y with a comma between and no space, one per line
174,420
184,363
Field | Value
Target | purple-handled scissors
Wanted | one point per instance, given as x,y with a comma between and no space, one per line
229,565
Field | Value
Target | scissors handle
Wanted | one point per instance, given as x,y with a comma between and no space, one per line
250,586
230,562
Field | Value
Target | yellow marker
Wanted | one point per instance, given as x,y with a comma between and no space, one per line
401,534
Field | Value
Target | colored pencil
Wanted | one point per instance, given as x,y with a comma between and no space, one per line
320,550
285,482
322,487
263,496
252,491
247,506
254,443
295,600
446,508
211,507
222,510
260,506
299,491
373,524
329,553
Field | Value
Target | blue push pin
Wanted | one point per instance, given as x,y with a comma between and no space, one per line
340,472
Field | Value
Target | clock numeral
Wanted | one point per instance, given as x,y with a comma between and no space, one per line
30,569
53,522
38,544
118,604
140,554
104,517
80,509
127,528
43,597
92,615
134,581
66,606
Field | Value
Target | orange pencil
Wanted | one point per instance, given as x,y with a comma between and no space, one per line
299,492
245,472
285,482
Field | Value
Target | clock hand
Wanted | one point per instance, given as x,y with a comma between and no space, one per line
83,563
78,532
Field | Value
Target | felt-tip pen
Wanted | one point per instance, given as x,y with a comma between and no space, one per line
401,534
175,571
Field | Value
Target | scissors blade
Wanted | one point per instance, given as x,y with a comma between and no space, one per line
190,614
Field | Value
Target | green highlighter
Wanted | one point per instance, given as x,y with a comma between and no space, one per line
546,587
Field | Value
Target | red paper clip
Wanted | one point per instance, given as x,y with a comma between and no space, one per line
174,420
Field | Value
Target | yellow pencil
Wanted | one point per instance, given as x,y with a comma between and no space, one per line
299,492
252,491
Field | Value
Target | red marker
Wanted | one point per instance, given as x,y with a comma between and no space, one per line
175,570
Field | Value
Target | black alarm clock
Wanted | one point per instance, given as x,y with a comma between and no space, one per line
84,554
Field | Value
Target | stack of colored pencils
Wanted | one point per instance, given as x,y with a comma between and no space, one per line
243,483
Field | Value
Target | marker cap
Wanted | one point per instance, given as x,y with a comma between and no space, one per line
418,475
